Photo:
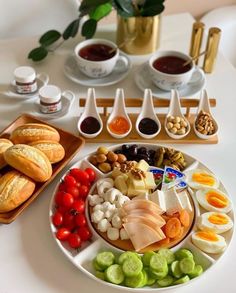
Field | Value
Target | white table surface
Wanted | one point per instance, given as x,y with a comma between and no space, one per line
30,260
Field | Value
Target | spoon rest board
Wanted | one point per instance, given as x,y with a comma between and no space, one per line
188,104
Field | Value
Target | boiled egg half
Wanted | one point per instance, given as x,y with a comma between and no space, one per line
200,178
215,222
214,200
208,241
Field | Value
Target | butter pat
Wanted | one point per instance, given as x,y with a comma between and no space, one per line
149,180
143,165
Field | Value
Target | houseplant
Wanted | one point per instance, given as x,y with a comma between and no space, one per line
94,11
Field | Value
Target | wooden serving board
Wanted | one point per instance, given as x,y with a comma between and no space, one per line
127,245
71,144
162,137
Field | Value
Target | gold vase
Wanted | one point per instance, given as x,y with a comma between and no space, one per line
138,35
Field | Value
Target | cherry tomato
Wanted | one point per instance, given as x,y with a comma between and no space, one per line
84,233
78,184
91,173
74,240
69,181
57,219
78,206
67,200
62,186
74,191
62,210
80,175
63,234
69,220
80,220
83,191
58,197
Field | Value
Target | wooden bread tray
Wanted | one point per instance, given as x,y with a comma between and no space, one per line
162,137
71,144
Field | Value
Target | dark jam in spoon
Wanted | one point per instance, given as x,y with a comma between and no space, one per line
90,125
148,126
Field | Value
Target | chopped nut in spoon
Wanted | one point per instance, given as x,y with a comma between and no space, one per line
205,124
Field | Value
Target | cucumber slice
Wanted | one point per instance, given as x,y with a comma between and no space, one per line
175,269
147,257
186,265
96,266
135,282
126,255
161,274
145,278
165,282
132,266
183,253
197,271
168,254
182,280
105,259
158,263
100,275
151,279
114,274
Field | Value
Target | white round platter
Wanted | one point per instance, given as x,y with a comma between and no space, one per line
83,258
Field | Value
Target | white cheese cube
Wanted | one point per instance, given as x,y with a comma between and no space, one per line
103,225
113,233
183,196
172,201
116,221
142,165
97,216
123,234
149,181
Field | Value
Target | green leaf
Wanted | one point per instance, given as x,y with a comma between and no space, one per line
71,30
49,38
152,7
101,11
124,8
89,28
88,6
38,54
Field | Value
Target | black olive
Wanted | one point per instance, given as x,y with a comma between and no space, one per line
125,148
142,150
133,150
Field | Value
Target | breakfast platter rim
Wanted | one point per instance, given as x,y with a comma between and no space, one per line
97,239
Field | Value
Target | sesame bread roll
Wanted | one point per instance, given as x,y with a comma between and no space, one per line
30,161
52,149
30,132
4,145
15,188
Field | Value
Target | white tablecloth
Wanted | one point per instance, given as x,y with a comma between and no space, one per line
29,257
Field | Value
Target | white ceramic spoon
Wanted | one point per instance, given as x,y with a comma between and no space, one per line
148,111
119,110
90,110
204,105
175,111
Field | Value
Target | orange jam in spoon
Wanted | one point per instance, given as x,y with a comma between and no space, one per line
119,125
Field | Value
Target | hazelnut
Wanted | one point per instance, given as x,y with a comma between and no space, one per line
177,125
112,157
121,158
93,160
101,158
173,130
115,165
104,167
181,131
169,125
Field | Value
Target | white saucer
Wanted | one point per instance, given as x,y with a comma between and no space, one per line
42,79
143,80
67,99
72,71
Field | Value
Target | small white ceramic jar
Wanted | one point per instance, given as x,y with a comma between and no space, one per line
25,80
50,99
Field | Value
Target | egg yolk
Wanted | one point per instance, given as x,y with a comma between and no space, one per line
203,178
217,200
207,235
218,219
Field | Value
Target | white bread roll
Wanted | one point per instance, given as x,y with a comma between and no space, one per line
30,132
52,149
4,145
15,188
30,161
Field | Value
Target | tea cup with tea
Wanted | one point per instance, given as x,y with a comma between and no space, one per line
97,58
168,70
